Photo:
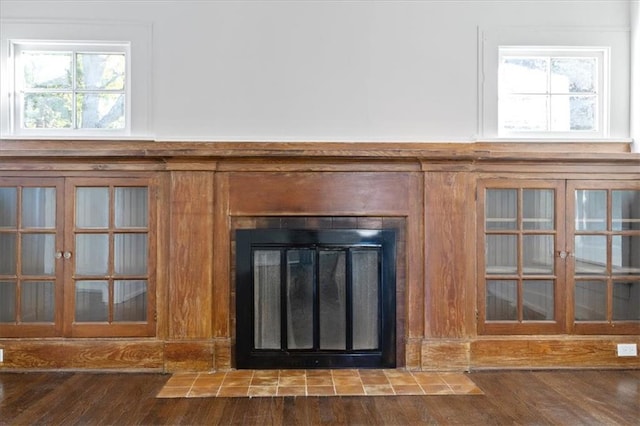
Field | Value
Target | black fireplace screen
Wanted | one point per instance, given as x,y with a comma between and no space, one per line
315,298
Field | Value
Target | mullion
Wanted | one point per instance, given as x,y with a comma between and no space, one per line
316,299
284,276
349,297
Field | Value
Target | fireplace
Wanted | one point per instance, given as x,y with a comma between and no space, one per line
315,298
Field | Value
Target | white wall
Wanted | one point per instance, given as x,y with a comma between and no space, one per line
635,73
323,70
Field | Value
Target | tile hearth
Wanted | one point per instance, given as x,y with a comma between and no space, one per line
263,383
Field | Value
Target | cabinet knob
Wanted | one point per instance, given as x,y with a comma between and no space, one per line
562,254
67,255
58,255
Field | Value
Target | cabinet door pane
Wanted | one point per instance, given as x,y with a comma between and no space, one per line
537,257
591,254
590,301
538,209
7,301
130,254
625,255
501,254
626,301
8,259
8,207
333,299
537,300
502,300
300,273
92,254
39,208
130,300
365,295
38,254
501,209
92,301
37,301
625,210
266,309
131,209
92,207
591,210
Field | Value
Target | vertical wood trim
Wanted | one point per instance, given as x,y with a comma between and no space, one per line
415,291
449,253
190,254
160,202
221,262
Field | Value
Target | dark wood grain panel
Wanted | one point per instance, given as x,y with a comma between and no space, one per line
188,356
191,255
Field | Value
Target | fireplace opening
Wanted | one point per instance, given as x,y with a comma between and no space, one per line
315,298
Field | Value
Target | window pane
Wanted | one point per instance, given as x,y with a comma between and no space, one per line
92,301
626,301
37,301
300,272
100,111
130,300
100,71
537,300
365,294
538,208
591,301
38,254
575,75
130,254
46,70
92,207
333,302
573,113
502,301
8,259
39,208
625,254
266,310
501,254
591,210
591,254
92,254
7,301
537,254
47,111
501,209
523,112
625,210
523,75
8,207
131,207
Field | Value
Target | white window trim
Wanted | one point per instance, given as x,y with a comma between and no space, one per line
137,34
616,39
15,107
602,120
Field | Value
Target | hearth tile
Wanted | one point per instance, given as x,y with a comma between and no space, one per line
374,380
466,390
209,379
428,378
408,390
292,390
203,391
263,390
320,381
320,390
403,380
345,373
378,390
233,391
264,374
173,392
182,379
347,381
349,390
455,379
292,373
236,381
292,381
264,381
318,373
240,373
437,390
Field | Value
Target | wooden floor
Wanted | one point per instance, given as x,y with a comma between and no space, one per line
540,398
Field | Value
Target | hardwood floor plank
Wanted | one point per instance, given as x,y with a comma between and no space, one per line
510,397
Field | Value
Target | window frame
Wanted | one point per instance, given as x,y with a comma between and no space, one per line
73,47
600,53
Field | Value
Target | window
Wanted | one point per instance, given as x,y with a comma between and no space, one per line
552,91
67,88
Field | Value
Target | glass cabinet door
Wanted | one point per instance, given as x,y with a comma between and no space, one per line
605,247
522,239
112,266
30,255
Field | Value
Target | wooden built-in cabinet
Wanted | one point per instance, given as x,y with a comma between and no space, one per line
558,257
78,257
119,255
